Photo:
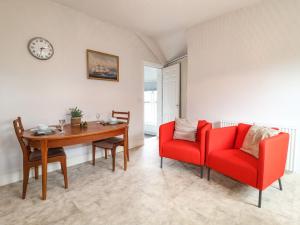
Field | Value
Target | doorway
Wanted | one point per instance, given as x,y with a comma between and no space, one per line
161,97
152,100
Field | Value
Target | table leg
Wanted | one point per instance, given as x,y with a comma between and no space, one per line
44,152
125,147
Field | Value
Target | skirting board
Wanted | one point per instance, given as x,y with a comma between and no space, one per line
85,154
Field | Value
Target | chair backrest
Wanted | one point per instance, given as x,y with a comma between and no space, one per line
19,129
124,116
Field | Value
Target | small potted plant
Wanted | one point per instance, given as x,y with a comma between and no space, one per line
76,115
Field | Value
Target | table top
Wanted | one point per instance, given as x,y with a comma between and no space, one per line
75,131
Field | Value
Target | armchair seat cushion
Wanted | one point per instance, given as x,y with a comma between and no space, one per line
182,150
235,164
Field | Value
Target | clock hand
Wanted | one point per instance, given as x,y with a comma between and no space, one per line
41,49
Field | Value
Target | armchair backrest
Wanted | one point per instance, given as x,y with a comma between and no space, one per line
242,130
221,138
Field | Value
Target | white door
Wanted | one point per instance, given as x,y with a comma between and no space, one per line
171,92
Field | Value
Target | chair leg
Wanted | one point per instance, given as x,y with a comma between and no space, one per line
208,174
94,154
201,172
25,179
113,154
36,172
259,198
65,172
128,154
61,168
280,185
105,150
161,162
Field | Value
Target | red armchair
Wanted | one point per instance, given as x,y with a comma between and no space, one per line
185,151
224,155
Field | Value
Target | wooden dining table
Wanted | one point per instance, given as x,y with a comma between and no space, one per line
73,135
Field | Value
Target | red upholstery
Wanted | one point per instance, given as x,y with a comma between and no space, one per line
236,164
242,130
272,159
224,156
186,151
182,150
165,134
200,125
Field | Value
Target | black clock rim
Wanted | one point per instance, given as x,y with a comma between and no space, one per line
36,56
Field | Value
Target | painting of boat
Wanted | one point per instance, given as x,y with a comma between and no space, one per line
102,66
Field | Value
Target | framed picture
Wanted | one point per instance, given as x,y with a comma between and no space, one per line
102,66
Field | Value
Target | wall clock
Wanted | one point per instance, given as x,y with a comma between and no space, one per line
40,48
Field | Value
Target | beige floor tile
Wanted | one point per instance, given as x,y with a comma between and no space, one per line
146,194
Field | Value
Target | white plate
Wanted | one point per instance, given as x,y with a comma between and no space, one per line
113,122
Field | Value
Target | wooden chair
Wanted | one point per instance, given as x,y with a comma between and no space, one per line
114,142
33,158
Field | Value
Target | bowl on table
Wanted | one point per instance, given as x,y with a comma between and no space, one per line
113,121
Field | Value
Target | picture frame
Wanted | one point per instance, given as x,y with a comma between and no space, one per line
102,66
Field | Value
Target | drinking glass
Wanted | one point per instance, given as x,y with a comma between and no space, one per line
62,123
98,117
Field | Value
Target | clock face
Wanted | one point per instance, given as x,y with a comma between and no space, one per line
40,48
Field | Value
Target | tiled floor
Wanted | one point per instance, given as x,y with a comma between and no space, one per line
145,194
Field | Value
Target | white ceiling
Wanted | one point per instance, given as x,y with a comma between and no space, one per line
159,19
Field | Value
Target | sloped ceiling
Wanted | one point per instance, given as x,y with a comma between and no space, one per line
165,21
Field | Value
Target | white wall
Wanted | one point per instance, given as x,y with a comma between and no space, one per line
42,91
245,66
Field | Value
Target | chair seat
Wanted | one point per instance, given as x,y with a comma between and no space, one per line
186,151
109,143
235,164
36,155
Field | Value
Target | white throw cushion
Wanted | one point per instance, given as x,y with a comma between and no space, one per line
253,137
185,130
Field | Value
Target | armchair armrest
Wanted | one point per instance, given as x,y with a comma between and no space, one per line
220,138
166,132
272,159
202,139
